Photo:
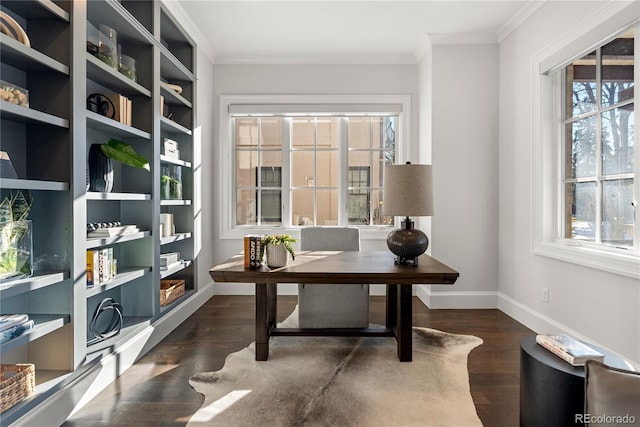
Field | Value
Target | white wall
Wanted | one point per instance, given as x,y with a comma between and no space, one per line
204,176
459,113
303,80
601,307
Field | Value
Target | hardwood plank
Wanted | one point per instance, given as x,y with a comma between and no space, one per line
155,391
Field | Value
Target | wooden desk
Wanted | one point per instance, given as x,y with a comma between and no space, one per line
343,268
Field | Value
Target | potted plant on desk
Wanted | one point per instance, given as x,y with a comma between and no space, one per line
278,248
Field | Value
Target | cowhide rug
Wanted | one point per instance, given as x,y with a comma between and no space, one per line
327,381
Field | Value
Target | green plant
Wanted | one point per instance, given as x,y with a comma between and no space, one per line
124,153
276,240
14,225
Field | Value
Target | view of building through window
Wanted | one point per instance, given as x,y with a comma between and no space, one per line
312,167
599,134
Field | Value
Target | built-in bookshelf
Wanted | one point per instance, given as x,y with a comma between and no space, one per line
48,142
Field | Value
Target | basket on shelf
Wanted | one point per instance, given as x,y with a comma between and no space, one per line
170,290
17,387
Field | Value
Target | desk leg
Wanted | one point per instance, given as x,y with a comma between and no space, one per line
404,333
262,325
272,301
392,306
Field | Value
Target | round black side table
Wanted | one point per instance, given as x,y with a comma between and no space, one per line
551,390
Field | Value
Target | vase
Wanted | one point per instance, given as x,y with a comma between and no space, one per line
277,256
100,170
16,250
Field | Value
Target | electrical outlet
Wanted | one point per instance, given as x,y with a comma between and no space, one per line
545,294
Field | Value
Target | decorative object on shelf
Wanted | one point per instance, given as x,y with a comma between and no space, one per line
252,245
108,46
101,167
112,328
278,247
14,94
170,259
93,39
408,191
167,228
100,170
171,290
115,231
170,182
174,87
16,242
6,167
11,28
17,382
101,104
127,66
169,148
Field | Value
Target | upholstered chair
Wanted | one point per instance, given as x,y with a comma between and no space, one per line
611,393
332,305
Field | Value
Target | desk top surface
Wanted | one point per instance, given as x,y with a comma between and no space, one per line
374,267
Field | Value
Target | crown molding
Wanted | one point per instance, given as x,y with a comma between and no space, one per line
462,38
524,13
315,59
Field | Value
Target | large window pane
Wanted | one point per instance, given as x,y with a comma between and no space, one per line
359,132
377,201
271,132
617,70
327,132
246,207
247,132
582,152
303,133
581,210
303,169
303,205
617,212
327,207
246,164
327,169
581,86
618,140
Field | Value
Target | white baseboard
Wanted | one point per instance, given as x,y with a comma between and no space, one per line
91,381
463,299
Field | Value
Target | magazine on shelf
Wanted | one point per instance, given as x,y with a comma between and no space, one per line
569,349
114,231
8,321
16,331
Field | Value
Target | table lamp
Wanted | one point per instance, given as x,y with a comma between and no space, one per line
408,191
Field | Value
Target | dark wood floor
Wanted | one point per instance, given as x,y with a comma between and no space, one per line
156,392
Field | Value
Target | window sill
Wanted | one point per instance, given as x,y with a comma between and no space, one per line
621,264
368,233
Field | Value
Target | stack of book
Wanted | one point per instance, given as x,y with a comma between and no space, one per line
122,107
14,325
101,266
252,245
569,349
105,232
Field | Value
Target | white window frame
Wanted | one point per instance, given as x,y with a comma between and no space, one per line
547,148
347,104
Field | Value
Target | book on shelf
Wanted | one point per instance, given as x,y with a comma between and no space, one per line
122,107
101,266
252,245
569,349
114,231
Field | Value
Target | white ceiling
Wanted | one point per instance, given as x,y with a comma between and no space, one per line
333,31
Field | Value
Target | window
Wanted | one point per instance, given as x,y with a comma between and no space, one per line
599,145
306,170
585,164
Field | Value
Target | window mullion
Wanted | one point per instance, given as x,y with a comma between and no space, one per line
599,127
343,178
315,171
259,176
286,191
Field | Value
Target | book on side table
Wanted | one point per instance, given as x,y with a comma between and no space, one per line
569,349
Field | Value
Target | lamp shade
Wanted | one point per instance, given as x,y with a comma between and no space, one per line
408,190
